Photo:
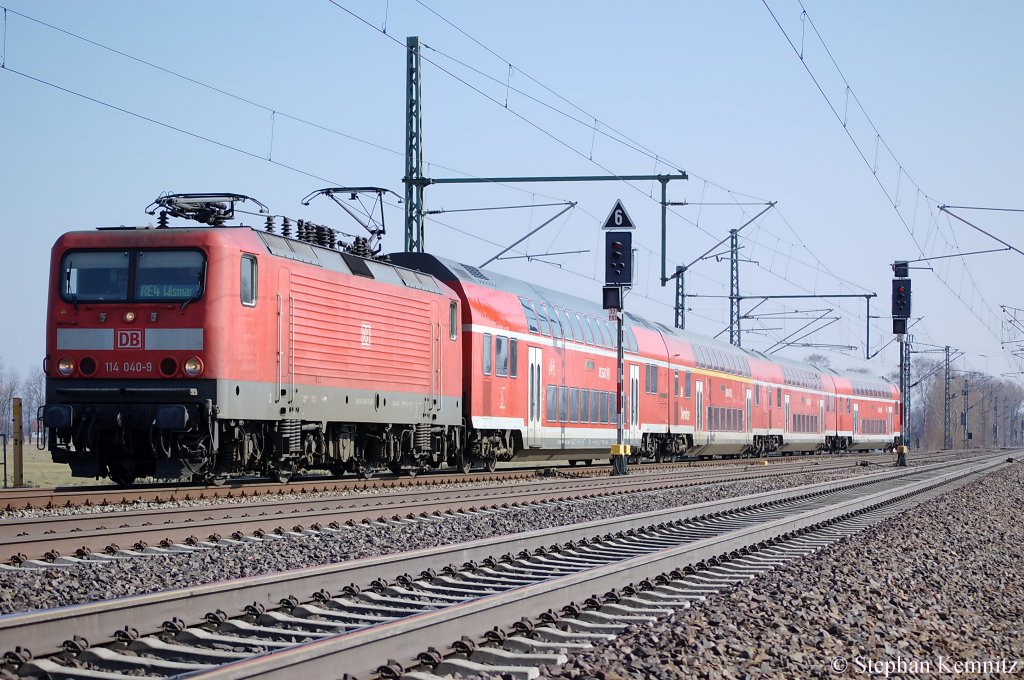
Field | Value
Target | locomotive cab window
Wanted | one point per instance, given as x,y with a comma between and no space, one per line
169,275
94,276
248,289
453,321
133,276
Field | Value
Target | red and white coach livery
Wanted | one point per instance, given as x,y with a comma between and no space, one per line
540,382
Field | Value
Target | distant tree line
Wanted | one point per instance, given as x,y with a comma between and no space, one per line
31,387
984,411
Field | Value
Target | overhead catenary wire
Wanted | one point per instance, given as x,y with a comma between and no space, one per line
273,111
893,198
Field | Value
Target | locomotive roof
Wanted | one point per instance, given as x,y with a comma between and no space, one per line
289,248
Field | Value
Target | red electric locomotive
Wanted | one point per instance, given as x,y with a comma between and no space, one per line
223,350
220,350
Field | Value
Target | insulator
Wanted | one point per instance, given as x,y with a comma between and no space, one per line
323,234
270,224
161,221
332,239
286,227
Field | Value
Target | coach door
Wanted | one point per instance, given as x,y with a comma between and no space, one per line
634,405
285,339
749,425
699,406
787,425
536,360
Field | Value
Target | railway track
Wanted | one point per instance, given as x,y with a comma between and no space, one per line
511,602
12,500
69,538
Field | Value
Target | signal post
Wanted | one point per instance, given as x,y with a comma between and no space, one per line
618,278
900,314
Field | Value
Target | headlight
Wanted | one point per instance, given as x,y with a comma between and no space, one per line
66,366
129,317
193,366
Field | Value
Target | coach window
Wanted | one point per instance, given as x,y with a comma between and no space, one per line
487,354
563,404
633,347
675,383
552,403
588,334
556,326
249,280
595,330
567,329
500,355
687,384
531,315
757,395
453,321
542,319
574,321
778,396
574,405
513,358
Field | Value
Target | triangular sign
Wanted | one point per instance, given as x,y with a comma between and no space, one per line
618,218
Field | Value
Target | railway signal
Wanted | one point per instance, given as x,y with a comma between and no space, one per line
901,298
618,258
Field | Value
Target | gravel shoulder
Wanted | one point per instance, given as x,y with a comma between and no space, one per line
937,590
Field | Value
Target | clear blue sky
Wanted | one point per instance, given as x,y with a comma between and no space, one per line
708,87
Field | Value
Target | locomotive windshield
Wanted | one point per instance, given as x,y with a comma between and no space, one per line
132,275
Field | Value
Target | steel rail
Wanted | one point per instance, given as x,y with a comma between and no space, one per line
79,534
360,652
44,631
64,497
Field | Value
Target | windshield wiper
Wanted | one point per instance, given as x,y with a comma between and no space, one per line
67,279
198,293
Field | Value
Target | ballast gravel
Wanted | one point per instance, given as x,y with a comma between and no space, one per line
46,588
935,591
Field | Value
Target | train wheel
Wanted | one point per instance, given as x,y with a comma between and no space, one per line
283,476
464,464
588,462
122,478
572,463
396,468
364,473
492,464
412,472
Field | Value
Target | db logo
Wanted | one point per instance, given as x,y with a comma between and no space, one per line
128,339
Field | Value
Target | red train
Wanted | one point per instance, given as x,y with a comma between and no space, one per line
208,351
